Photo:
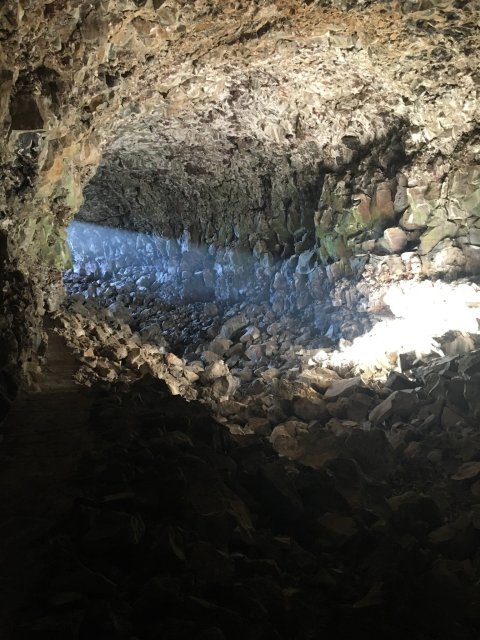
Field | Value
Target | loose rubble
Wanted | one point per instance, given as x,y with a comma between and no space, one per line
251,482
267,361
323,525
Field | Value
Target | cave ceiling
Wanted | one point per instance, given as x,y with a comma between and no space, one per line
237,121
199,82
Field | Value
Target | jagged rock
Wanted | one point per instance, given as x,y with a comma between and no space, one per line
270,374
308,409
471,394
251,334
114,530
343,388
396,381
319,377
255,352
211,565
414,513
357,407
220,345
371,450
400,404
233,325
336,530
395,239
284,437
467,471
279,492
214,371
434,236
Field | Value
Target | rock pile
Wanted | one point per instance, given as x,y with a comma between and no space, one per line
246,360
368,521
247,485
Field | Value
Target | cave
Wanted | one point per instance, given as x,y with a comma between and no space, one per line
240,319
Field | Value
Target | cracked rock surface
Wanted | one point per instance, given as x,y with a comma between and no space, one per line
357,513
350,127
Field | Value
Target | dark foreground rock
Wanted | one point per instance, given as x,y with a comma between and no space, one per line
185,530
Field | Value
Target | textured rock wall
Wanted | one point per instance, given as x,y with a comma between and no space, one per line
328,141
243,121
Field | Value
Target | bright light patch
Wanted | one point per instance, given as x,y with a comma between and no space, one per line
97,249
423,313
420,313
194,272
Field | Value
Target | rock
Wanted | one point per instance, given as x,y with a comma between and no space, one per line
307,261
279,493
450,418
454,345
220,345
255,352
415,513
399,404
396,239
432,237
343,388
308,409
115,352
214,371
233,325
472,396
211,565
383,202
397,381
260,426
210,309
190,375
83,580
251,334
173,360
210,357
456,539
284,438
270,374
319,377
371,450
232,408
336,529
357,407
467,471
114,530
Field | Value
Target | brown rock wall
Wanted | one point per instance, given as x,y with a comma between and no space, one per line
257,104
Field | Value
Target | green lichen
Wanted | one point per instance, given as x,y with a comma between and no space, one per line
339,238
46,242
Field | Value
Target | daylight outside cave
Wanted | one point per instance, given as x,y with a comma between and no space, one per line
240,349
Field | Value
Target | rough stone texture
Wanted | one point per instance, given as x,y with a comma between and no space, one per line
178,529
265,126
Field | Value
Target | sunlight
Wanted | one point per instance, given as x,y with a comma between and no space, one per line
423,312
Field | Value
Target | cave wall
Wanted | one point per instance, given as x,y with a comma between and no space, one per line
318,116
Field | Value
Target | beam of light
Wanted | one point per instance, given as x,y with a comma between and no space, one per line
423,315
97,249
198,272
419,312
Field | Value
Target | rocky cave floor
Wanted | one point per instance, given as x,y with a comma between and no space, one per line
237,482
